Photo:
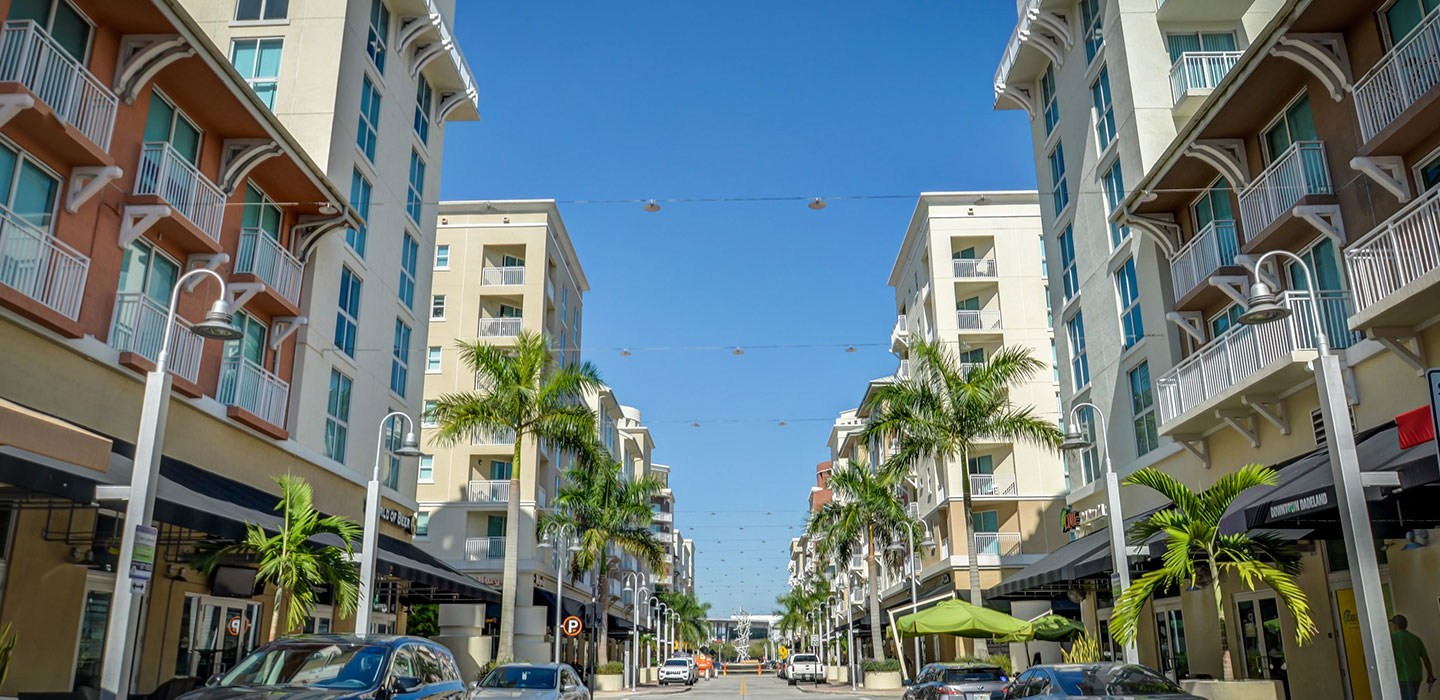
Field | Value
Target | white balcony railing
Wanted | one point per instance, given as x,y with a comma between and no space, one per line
992,485
903,371
974,267
166,173
484,548
1012,47
1301,170
499,437
41,266
977,319
264,257
1400,79
488,491
253,388
1397,252
1002,544
139,327
1199,70
30,56
1243,351
502,276
661,516
500,327
1215,247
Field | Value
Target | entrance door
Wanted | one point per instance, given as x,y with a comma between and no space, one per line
1261,639
1170,643
1352,644
220,632
94,615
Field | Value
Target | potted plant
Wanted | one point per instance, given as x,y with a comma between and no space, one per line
610,676
882,674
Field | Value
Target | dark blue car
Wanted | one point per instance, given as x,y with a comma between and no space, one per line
340,667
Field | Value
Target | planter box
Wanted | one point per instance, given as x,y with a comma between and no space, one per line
609,681
882,680
1235,690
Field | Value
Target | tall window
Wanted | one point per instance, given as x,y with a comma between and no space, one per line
1403,16
1090,456
1071,278
414,199
427,414
260,9
347,319
1047,93
1058,190
442,257
70,30
1114,182
337,416
426,473
30,192
1214,205
1188,42
1297,123
400,363
367,134
1079,365
392,441
424,101
1132,328
422,519
432,359
165,123
145,268
360,199
437,307
1104,109
379,34
409,251
1092,23
258,61
1142,409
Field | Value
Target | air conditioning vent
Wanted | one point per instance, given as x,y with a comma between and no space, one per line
1317,424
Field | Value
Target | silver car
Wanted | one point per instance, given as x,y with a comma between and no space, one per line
532,682
969,681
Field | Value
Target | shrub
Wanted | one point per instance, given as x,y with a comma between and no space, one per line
1085,649
888,665
610,668
1001,660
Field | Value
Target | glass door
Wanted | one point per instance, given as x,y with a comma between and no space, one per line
94,615
1170,643
219,632
1262,641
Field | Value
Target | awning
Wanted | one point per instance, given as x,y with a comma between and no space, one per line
431,581
42,434
1086,556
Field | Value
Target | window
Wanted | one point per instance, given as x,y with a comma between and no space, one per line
1114,182
260,9
414,200
261,214
1092,24
337,416
1054,364
1213,206
367,134
360,199
437,307
1090,456
1297,123
379,34
1225,320
1052,105
1104,109
1403,16
409,251
1190,42
1142,409
400,364
427,413
59,19
1428,173
347,319
1127,291
1079,366
1068,274
422,519
251,346
442,257
164,123
424,99
31,192
145,268
258,61
1059,192
432,359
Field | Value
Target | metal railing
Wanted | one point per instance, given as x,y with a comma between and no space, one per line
138,326
501,437
974,267
1403,75
263,256
1012,47
1213,248
500,327
488,491
661,516
1002,544
41,266
502,276
992,485
1301,170
1397,252
253,388
31,57
166,173
977,319
1200,70
484,548
1242,351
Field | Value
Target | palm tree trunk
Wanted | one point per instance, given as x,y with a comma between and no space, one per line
973,563
275,616
874,584
510,577
1227,668
602,654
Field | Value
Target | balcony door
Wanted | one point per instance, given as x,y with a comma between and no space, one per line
967,254
1296,123
508,311
65,24
252,346
499,471
29,191
1170,640
167,124
511,261
1190,42
1213,206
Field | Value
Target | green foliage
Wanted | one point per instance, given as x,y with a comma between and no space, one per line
7,650
423,620
1001,660
610,668
880,665
1084,650
694,626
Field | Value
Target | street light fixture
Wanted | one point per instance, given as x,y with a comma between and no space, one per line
914,573
555,534
635,584
409,447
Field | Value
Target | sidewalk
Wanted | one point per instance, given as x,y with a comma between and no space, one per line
642,690
844,689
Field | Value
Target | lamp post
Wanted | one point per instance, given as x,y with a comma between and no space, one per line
830,630
140,501
850,581
1074,440
651,615
555,536
1349,482
660,633
914,574
409,447
637,588
674,627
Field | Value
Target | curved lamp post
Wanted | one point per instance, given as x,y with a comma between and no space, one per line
556,536
635,583
914,574
660,654
409,447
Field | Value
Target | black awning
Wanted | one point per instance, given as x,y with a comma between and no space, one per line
1071,561
38,474
620,627
431,581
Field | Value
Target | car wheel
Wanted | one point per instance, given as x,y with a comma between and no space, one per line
792,681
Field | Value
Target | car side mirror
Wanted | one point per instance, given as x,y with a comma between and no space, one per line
405,684
568,687
214,679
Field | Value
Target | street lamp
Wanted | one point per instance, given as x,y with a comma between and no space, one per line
140,505
1075,440
409,447
652,615
554,536
660,654
851,580
914,573
635,583
1349,483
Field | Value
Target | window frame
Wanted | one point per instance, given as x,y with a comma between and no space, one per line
48,26
260,16
1113,184
437,304
348,310
367,130
361,189
400,357
1102,104
7,198
1059,182
1079,360
424,110
1145,414
1050,100
380,12
1132,322
337,425
442,248
175,114
1092,28
415,190
1069,274
1282,117
409,257
434,359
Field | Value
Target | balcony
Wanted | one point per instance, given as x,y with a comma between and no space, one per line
1210,253
1195,74
1263,360
900,334
903,371
1401,89
974,268
197,207
1040,37
500,327
41,276
255,396
138,330
992,485
1201,10
977,320
262,258
661,516
31,61
1299,176
1396,267
999,544
665,537
488,491
499,437
502,276
485,548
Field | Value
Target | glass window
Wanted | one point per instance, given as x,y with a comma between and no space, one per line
1191,42
422,519
1104,109
1047,93
1403,16
414,199
984,464
261,9
379,34
1114,182
69,29
424,99
360,199
1297,123
347,319
427,414
1068,273
1079,365
261,213
144,268
432,358
165,123
1092,24
1060,194
29,191
252,345
437,307
1429,174
392,440
1214,205
409,252
258,61
367,134
1090,456
1127,291
337,416
1225,320
1142,409
94,616
400,363
442,257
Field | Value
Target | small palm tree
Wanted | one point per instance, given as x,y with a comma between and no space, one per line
525,392
1197,552
693,627
292,561
945,407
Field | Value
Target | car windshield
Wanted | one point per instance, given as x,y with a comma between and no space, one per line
979,673
320,663
529,677
804,658
1114,680
678,662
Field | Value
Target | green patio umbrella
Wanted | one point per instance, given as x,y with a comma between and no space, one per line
1049,628
961,619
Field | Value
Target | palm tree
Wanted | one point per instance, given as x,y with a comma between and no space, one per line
799,602
945,407
1199,552
608,515
867,512
290,559
523,391
694,626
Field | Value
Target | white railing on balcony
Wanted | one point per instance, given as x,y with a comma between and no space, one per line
500,327
1397,252
1002,544
992,485
484,548
664,537
903,371
974,267
488,491
484,437
1242,351
253,388
1215,247
263,256
41,266
1301,170
166,173
1200,70
1012,47
661,516
139,327
30,56
502,276
977,319
1401,78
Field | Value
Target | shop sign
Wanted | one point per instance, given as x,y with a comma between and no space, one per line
1072,519
142,557
393,516
1299,506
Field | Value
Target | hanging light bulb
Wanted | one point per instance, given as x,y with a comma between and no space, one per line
817,204
625,352
850,348
783,424
651,206
737,351
694,425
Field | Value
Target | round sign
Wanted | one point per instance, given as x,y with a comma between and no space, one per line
571,626
235,626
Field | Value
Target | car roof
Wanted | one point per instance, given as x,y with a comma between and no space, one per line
523,664
968,665
374,640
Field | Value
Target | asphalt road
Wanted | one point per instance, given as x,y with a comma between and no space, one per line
738,687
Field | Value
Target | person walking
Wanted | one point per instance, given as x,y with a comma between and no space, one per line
1410,657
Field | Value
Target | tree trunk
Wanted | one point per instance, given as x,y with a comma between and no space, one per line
1227,668
510,578
973,564
602,654
876,639
275,615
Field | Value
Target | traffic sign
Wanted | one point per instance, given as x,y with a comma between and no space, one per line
571,626
784,651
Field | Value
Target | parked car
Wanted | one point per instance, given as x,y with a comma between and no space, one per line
1113,681
532,682
781,669
969,681
340,667
806,667
694,669
676,670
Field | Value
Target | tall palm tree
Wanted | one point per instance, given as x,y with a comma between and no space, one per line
867,512
945,407
694,626
525,391
1199,552
609,515
799,602
290,559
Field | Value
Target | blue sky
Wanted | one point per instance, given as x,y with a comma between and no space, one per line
612,100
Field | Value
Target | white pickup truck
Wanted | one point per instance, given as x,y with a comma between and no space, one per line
805,667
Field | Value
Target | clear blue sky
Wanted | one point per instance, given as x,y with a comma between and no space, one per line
619,100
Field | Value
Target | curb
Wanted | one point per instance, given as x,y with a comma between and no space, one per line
845,690
642,690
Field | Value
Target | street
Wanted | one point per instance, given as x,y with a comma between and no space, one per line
745,686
